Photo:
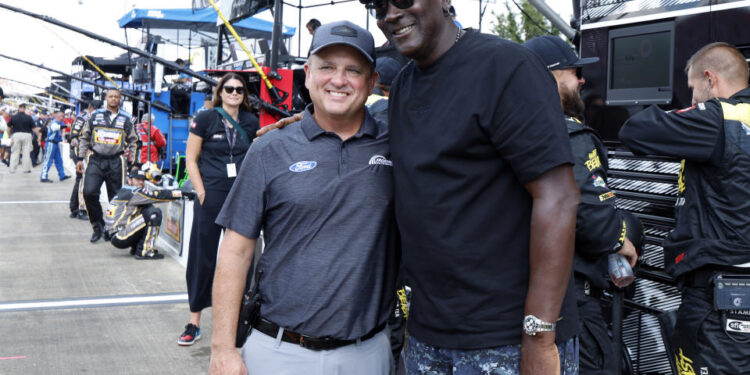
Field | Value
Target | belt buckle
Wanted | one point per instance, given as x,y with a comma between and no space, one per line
304,341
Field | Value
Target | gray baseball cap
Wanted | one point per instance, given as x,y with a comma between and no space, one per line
347,33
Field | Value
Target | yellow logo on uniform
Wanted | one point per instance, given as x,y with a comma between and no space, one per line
681,177
684,364
606,196
107,137
593,161
401,293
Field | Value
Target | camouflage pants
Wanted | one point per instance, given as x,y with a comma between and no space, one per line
424,359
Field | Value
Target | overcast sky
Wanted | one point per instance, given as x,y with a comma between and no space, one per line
33,40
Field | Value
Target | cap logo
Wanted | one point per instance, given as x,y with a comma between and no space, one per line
344,31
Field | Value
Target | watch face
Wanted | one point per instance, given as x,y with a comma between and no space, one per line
529,325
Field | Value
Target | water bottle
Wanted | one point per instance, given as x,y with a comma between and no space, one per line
620,271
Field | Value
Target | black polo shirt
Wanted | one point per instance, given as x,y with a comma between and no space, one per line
467,133
215,152
21,123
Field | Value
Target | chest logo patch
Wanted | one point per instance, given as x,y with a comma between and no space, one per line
593,161
107,137
380,160
599,181
303,166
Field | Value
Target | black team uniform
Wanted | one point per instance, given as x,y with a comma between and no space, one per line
712,233
600,230
108,135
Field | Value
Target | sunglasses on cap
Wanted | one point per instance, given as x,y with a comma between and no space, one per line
379,8
230,89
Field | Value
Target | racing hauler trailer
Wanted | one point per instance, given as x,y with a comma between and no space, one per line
643,46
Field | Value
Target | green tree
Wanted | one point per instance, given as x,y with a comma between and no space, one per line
507,26
521,26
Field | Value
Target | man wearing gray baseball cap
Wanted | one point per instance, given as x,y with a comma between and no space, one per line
321,191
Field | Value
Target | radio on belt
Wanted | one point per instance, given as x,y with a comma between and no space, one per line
732,292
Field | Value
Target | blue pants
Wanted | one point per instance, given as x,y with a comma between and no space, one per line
425,359
52,155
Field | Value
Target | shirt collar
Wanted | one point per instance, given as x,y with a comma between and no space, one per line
312,130
742,93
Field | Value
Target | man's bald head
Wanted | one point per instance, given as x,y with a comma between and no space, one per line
722,59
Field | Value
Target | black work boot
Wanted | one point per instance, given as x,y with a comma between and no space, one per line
97,233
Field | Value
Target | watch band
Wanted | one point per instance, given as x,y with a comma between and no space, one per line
533,325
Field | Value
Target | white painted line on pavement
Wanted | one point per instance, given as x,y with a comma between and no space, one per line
93,302
32,202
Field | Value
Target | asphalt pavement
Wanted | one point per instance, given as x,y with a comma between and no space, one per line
68,306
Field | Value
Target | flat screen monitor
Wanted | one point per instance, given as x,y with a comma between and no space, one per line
640,64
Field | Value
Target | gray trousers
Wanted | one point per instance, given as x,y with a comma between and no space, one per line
21,147
266,355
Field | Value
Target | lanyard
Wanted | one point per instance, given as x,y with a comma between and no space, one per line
231,139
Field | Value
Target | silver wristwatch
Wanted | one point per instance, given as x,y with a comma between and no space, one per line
533,325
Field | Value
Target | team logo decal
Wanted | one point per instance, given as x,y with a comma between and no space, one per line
303,166
107,137
606,196
739,326
193,125
684,364
599,181
593,161
380,160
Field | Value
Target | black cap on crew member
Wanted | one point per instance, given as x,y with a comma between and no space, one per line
556,53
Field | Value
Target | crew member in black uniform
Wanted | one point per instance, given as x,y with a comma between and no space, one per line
132,221
77,206
711,238
107,134
601,229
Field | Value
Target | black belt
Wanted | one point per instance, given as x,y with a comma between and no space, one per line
312,343
102,156
703,277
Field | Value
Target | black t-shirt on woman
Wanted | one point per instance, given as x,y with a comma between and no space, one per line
215,152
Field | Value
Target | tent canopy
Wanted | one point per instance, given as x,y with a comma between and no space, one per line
198,20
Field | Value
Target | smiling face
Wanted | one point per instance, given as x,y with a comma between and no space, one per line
235,98
339,79
421,32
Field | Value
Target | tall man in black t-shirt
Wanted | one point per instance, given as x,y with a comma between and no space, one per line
486,199
711,238
601,229
21,126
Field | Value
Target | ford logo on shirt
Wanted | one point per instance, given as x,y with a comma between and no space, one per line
302,166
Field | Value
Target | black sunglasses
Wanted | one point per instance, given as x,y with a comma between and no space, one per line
379,8
230,89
